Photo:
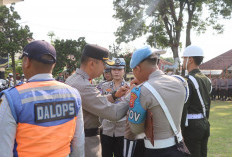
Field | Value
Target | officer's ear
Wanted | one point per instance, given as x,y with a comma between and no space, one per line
27,62
190,60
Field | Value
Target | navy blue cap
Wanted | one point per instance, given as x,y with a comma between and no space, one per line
37,49
139,55
97,52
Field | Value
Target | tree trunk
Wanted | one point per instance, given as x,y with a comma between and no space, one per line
191,9
175,51
188,33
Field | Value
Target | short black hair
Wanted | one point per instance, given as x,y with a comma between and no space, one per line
84,59
198,60
152,60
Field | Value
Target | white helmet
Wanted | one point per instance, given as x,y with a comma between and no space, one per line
10,74
192,51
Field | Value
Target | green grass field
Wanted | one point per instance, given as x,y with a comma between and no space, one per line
220,141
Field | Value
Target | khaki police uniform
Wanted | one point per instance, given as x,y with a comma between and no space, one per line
218,88
195,125
94,106
173,92
223,87
111,128
229,85
213,93
113,132
99,86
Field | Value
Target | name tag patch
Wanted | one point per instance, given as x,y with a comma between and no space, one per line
46,112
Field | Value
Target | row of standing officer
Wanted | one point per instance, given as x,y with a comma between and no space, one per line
222,87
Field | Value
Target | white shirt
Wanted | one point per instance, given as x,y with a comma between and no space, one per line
8,127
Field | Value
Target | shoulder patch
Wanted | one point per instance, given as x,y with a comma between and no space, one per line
132,99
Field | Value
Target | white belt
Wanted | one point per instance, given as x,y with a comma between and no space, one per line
195,116
159,144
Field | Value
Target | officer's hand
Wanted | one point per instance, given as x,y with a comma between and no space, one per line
122,91
135,81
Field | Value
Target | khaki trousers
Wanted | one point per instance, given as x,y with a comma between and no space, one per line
93,146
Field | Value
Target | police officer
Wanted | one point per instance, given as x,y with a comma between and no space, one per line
172,91
213,93
95,105
42,117
223,88
195,125
218,88
10,80
107,77
113,132
229,85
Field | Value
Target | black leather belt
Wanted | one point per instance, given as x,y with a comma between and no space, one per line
92,132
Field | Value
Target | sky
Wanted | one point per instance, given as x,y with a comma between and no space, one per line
92,19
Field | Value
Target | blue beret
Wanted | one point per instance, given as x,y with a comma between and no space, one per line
139,55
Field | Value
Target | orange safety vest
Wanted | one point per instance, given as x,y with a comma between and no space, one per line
45,112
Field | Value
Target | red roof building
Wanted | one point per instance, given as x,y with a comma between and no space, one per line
162,63
221,62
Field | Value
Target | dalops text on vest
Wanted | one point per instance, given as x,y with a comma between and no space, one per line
51,111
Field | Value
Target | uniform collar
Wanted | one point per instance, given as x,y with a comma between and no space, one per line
82,73
155,74
45,76
194,71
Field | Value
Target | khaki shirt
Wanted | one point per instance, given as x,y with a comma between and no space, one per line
94,104
223,83
229,84
113,128
218,83
214,81
172,90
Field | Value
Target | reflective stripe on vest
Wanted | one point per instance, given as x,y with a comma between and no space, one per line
46,115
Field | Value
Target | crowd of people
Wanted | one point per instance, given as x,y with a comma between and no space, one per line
222,88
153,115
9,81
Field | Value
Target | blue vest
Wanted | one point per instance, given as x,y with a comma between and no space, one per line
137,114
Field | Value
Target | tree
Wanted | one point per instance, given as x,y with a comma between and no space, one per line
51,34
13,37
168,59
68,54
114,50
217,9
163,20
